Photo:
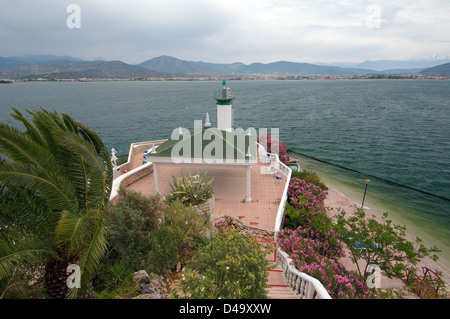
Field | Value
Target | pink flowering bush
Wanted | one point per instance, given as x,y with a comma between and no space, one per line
267,141
312,243
314,225
339,283
221,227
309,243
318,258
302,195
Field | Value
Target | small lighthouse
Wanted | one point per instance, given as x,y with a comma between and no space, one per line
225,108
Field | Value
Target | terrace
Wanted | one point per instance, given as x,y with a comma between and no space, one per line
269,181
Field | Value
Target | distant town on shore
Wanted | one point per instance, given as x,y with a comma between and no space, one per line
166,68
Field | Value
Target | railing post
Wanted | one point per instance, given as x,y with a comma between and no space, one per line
309,291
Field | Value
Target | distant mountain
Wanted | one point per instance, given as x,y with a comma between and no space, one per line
10,62
390,65
300,69
6,63
167,64
65,69
440,70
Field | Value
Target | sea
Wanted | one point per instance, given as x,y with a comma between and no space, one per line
396,133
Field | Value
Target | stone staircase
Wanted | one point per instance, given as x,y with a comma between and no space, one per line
277,286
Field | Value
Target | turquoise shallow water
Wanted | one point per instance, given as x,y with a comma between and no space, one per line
398,130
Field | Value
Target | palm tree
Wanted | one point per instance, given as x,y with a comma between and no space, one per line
55,185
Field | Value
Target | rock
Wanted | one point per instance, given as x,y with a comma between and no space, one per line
229,222
141,277
157,283
144,289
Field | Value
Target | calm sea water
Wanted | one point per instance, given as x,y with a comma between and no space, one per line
398,130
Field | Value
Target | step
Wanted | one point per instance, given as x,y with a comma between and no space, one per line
277,287
281,293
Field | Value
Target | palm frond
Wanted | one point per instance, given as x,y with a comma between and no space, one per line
90,259
58,192
23,209
18,247
18,147
99,176
74,229
32,133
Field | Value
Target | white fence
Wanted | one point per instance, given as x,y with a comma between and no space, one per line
132,174
305,286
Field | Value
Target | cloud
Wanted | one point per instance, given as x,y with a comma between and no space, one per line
229,31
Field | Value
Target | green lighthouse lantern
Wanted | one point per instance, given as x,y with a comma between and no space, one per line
224,100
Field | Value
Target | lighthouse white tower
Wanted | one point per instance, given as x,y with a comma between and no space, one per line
225,108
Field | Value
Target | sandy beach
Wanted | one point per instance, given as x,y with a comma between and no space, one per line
336,200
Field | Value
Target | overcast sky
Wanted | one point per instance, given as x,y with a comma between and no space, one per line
228,31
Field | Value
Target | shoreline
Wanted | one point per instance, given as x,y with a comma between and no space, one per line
336,199
233,78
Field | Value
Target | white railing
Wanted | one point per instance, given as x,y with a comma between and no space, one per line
280,214
305,286
276,163
140,146
136,149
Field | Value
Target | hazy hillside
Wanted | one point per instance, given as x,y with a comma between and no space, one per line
440,70
397,65
10,62
169,64
300,69
54,67
63,69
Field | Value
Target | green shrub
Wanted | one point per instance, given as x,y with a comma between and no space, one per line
113,280
231,266
317,221
181,225
130,222
311,178
164,246
190,190
186,222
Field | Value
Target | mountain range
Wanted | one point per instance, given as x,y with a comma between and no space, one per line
65,67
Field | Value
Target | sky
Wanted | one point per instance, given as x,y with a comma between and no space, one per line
227,31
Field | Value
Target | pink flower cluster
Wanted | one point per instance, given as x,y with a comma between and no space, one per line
221,227
309,243
267,141
319,259
302,195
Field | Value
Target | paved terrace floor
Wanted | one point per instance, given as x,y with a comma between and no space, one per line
229,188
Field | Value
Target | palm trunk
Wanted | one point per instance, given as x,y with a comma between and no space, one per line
56,279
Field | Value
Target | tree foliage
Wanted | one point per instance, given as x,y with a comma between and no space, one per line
55,183
381,243
231,266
